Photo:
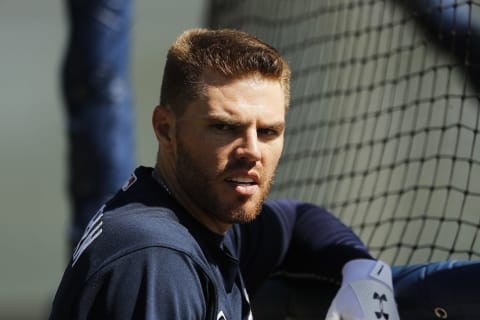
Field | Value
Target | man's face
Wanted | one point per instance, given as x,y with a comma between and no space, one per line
227,147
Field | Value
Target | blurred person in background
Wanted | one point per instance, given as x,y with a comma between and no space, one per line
98,105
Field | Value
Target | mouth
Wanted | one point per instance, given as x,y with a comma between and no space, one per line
244,185
242,181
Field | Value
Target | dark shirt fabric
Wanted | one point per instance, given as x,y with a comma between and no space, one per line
144,257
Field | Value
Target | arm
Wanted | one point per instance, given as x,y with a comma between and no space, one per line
303,238
320,242
299,238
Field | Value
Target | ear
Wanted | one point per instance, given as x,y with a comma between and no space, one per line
163,121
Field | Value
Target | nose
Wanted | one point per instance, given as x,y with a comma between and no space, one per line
249,148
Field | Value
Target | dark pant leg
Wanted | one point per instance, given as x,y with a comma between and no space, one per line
443,290
98,104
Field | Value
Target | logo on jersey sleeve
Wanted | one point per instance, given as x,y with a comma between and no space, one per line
221,315
93,230
247,298
129,182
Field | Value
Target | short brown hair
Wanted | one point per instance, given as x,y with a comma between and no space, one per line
228,53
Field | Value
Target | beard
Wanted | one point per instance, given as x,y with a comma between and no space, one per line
200,188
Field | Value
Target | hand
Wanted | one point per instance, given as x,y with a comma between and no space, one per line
366,293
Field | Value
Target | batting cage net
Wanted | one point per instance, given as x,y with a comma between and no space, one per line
383,127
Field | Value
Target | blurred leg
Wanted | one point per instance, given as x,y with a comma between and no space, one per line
98,103
443,290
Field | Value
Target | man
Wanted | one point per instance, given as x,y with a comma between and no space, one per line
192,237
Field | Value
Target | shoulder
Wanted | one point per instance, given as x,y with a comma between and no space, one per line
133,228
152,282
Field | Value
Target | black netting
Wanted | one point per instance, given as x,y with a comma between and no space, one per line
384,119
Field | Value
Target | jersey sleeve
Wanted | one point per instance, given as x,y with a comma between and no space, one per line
297,237
152,283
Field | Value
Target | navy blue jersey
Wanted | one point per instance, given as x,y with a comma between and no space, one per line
143,257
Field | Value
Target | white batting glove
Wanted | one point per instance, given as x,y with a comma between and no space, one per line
366,293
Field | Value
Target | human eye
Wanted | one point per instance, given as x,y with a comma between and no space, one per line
268,132
223,127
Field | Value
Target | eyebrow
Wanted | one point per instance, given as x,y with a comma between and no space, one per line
222,119
278,125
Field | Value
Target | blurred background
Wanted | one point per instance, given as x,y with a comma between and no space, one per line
35,211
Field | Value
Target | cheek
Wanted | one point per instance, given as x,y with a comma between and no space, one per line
212,158
273,154
222,157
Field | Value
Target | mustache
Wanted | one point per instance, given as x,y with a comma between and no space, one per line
241,165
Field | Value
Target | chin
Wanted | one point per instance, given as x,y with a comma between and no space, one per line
246,213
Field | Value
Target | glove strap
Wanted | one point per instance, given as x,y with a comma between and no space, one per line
362,269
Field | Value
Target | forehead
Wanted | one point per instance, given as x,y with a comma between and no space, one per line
248,98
